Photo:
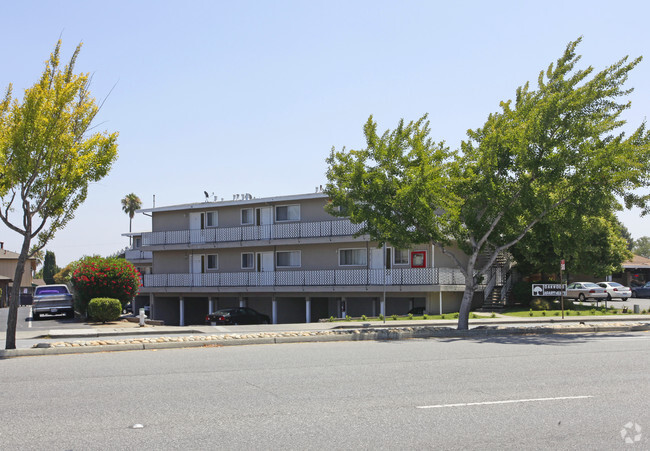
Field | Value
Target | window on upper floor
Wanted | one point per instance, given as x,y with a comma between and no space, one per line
212,219
353,257
137,242
401,256
247,260
287,259
213,261
247,216
287,213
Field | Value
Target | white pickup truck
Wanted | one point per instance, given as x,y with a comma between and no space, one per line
52,299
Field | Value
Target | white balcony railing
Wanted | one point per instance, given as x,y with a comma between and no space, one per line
324,277
293,230
133,254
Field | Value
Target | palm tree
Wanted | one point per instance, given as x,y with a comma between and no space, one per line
130,204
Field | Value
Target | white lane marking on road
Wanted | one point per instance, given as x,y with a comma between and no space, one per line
508,401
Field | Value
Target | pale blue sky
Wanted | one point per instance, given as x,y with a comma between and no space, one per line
249,97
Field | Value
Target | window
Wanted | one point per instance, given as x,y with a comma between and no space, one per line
247,260
137,242
401,256
212,219
284,259
353,257
246,216
287,213
213,261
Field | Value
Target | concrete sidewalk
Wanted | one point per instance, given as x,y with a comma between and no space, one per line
122,329
108,338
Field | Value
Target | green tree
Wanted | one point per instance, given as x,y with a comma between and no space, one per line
559,145
48,156
642,247
98,277
130,204
50,268
587,242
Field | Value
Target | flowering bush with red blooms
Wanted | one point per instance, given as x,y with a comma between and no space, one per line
98,277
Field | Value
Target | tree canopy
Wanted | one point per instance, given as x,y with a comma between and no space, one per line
554,148
48,157
642,246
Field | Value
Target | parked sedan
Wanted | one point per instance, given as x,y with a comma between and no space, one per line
641,292
240,315
585,290
615,290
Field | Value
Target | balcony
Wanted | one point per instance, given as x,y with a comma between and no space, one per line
317,278
293,230
136,254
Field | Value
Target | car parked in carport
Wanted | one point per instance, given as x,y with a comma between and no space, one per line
239,315
616,290
642,291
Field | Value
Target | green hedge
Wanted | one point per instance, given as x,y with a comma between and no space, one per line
104,309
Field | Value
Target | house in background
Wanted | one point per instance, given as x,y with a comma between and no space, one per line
636,272
286,257
8,262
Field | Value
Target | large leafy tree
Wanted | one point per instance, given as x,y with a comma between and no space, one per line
642,246
556,146
48,157
130,204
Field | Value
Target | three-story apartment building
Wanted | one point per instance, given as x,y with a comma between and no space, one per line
285,257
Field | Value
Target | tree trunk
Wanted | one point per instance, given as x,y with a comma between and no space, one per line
466,305
12,317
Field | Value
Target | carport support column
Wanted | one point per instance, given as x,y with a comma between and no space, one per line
181,306
210,305
274,310
382,306
440,295
151,306
242,301
308,309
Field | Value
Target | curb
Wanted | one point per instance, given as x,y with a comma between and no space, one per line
387,334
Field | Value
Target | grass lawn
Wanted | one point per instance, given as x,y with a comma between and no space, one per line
576,310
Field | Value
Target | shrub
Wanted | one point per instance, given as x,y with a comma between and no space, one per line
363,317
643,311
410,315
455,316
540,304
557,313
593,311
442,316
347,318
97,277
493,315
530,313
381,317
394,317
426,317
104,309
522,292
474,316
543,312
578,313
331,319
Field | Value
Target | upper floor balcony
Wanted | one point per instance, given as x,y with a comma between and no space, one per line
137,254
289,230
316,278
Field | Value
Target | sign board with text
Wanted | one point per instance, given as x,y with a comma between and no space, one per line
549,289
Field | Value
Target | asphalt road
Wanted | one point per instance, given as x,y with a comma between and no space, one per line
47,322
537,392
